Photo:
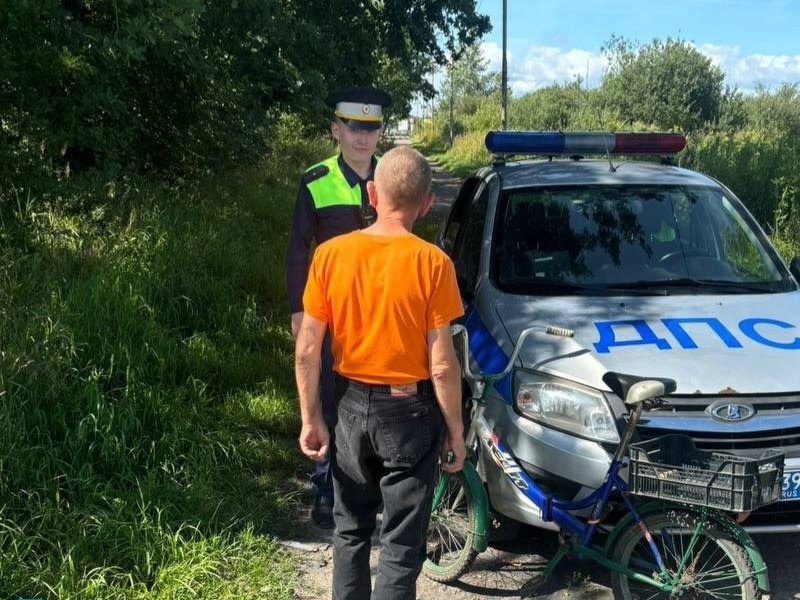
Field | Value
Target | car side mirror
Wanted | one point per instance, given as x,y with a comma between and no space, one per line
794,267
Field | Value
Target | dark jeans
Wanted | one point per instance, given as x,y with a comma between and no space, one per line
386,450
321,482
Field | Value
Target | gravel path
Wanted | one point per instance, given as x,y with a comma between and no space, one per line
509,570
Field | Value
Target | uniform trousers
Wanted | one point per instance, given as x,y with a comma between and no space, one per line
321,481
386,450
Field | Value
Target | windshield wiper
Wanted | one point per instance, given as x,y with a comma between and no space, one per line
643,287
690,282
545,285
552,287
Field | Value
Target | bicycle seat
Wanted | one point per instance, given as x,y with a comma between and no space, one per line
621,384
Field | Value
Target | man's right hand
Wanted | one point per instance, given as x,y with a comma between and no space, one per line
297,318
314,439
454,449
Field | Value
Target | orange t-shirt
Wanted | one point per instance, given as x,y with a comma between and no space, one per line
380,295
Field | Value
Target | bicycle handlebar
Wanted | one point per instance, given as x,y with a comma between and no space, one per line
549,329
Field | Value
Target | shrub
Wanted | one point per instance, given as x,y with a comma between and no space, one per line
751,162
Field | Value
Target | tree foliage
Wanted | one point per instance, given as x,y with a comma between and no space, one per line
551,108
777,111
749,161
466,88
183,85
467,76
669,84
748,141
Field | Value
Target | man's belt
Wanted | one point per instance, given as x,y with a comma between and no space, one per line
423,387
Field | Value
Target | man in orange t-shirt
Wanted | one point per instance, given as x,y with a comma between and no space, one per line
387,298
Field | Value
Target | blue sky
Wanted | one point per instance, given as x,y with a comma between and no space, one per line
553,41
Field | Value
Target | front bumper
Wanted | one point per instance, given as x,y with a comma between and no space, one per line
572,468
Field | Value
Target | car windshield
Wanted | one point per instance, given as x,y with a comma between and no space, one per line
629,239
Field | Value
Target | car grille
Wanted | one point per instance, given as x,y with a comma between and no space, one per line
776,424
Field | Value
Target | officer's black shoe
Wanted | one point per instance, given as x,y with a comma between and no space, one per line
322,512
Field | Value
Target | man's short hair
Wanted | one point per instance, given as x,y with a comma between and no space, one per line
403,177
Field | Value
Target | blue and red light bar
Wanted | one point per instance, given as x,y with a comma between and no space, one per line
551,142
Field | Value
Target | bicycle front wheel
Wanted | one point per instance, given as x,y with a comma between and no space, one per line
451,532
701,559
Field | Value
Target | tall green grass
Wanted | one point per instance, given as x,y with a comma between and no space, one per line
467,153
147,404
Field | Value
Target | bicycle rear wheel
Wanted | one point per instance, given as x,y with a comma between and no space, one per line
711,565
451,531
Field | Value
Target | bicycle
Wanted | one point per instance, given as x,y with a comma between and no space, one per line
679,542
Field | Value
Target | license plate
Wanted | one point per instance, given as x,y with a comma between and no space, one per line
791,486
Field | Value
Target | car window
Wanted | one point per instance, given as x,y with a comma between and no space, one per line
469,242
740,244
458,213
611,236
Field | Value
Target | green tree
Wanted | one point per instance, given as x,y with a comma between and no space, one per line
778,112
466,85
665,83
182,86
468,75
732,110
549,108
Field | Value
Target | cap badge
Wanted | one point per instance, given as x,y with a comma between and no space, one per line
365,109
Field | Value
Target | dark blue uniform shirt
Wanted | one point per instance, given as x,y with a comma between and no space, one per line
311,225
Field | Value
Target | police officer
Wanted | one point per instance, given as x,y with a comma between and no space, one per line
333,200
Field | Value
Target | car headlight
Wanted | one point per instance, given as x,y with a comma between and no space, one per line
564,405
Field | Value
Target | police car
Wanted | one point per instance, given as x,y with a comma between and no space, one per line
660,271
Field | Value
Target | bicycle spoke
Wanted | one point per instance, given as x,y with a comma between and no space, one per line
451,524
700,560
458,501
449,545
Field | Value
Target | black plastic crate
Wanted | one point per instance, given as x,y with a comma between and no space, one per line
671,468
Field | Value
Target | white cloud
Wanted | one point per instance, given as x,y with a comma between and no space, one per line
745,72
545,65
493,53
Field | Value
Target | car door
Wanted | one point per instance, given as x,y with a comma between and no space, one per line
465,237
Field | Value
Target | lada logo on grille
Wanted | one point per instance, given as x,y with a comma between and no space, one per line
731,411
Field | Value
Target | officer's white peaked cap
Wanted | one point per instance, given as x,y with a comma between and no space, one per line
359,107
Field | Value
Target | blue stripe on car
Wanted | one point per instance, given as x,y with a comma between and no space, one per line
486,351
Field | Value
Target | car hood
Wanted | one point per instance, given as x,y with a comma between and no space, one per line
747,344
